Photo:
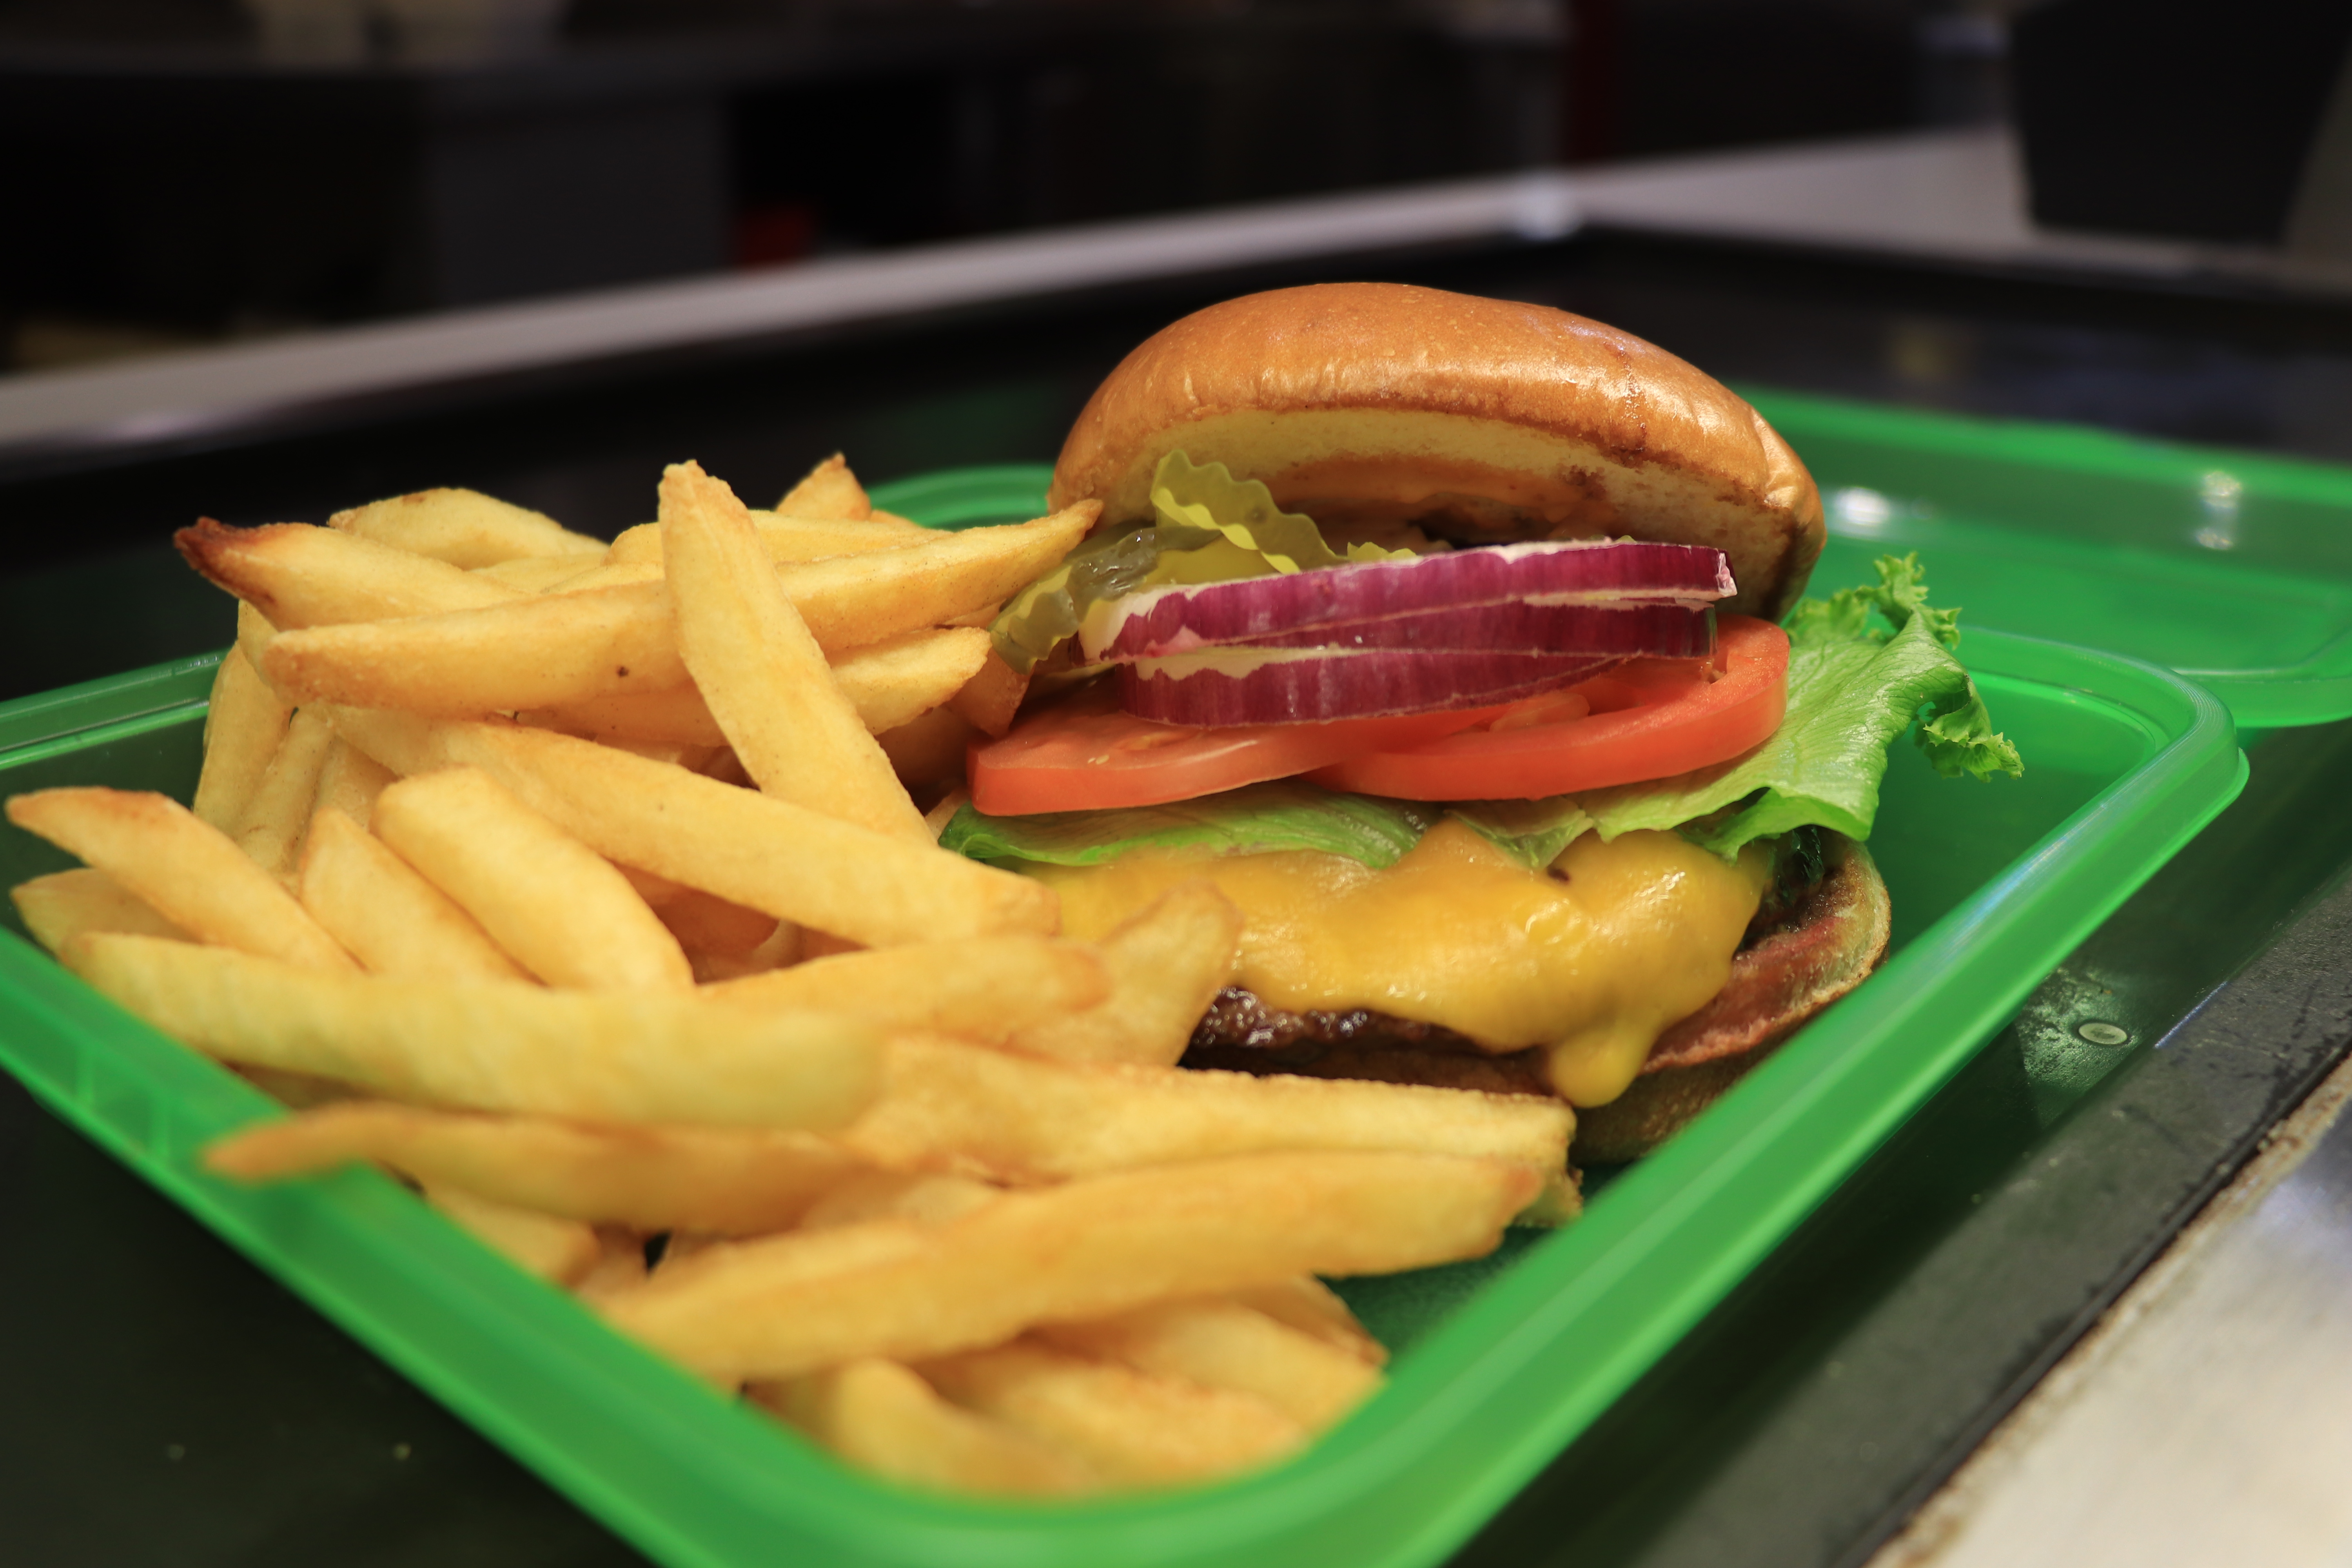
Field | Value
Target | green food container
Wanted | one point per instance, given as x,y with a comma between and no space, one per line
1500,1363
2233,569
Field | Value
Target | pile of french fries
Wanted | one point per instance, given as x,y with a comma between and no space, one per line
582,888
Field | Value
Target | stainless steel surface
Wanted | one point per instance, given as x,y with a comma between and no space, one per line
2208,1417
1949,196
186,394
1943,197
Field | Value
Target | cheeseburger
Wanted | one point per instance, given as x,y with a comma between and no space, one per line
1460,643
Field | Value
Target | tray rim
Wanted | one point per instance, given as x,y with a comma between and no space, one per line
1290,1506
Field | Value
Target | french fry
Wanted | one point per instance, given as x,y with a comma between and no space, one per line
766,681
893,682
939,816
275,818
1306,1303
677,717
829,489
880,1416
786,538
749,849
1166,963
550,650
558,1250
244,725
1223,1344
620,1265
348,781
538,652
992,695
889,1195
594,1055
981,988
392,920
187,871
1126,1424
950,1106
296,1090
889,684
725,1181
254,636
298,575
929,753
464,528
790,1304
62,905
538,573
547,898
707,926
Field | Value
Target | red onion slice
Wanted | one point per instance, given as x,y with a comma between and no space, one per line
1558,572
1233,686
1631,631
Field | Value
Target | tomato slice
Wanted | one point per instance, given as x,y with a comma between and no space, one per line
1089,754
1648,719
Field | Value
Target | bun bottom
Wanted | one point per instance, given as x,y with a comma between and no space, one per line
1820,948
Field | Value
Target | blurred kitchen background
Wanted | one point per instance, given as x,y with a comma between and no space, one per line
177,172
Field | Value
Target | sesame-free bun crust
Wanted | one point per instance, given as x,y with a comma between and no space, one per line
1372,404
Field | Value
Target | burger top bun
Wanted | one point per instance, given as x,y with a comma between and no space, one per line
1370,406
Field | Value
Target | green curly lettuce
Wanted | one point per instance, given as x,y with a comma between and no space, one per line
1855,687
1260,818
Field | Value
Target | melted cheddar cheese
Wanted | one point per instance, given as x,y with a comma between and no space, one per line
1592,959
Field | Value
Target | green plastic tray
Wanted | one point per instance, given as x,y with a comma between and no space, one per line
2231,568
1501,1361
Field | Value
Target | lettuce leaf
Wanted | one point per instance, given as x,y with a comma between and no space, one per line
1210,528
1532,832
1855,687
1253,820
1260,818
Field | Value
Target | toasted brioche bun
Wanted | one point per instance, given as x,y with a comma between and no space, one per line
1373,405
1780,978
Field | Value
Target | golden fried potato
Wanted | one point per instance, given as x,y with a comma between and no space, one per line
551,650
1167,961
881,1416
596,1056
465,528
62,905
245,723
950,1106
555,905
560,1251
1130,1425
1221,1343
348,781
748,848
766,681
829,489
390,918
723,1181
787,538
794,1303
981,988
298,575
188,872
279,812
